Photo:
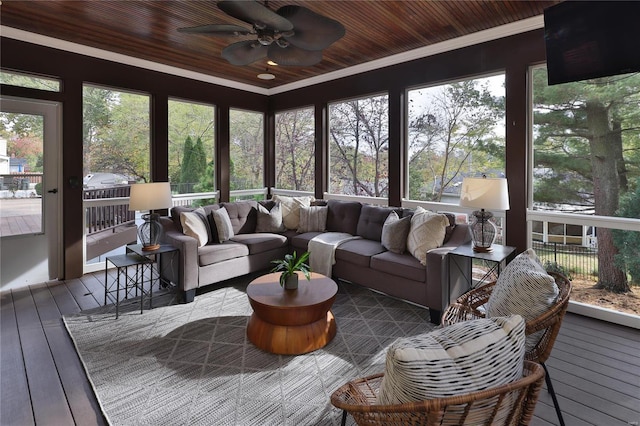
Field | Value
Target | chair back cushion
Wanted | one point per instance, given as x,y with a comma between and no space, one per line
523,288
461,358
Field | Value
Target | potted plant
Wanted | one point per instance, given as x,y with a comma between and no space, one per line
289,266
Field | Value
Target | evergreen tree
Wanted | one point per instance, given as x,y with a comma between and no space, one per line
188,174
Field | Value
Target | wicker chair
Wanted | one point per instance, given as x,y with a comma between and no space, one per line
513,402
466,308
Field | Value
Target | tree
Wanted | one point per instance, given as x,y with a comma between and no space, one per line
247,149
359,138
452,133
628,243
582,153
295,150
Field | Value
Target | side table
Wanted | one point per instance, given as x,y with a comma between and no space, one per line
122,262
157,257
460,262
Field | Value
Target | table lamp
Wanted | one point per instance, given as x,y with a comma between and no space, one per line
149,197
484,193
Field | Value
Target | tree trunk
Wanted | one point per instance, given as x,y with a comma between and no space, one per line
606,193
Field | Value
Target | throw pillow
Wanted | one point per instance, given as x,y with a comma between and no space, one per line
291,209
523,288
269,220
464,357
394,233
195,224
313,219
426,233
223,224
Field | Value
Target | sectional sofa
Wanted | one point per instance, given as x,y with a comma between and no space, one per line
204,260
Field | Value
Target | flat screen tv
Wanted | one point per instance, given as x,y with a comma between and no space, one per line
591,39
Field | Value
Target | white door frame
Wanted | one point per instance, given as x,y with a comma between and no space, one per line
22,256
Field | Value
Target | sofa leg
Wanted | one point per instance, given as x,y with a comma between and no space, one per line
189,295
435,316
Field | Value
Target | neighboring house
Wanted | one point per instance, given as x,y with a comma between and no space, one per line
18,165
4,158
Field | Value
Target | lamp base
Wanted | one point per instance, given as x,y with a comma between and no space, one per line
151,248
479,249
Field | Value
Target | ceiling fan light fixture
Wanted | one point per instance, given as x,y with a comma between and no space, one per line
266,76
272,63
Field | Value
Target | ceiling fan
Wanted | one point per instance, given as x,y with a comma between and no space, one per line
291,36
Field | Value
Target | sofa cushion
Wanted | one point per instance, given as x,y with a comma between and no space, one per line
343,216
261,242
291,209
427,232
175,214
269,219
358,251
300,242
243,216
215,253
223,224
466,357
402,265
371,221
395,232
313,219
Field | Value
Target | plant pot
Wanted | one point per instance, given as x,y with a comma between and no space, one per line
291,283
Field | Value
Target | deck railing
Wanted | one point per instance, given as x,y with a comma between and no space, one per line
102,217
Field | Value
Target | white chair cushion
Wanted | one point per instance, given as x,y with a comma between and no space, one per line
465,357
523,288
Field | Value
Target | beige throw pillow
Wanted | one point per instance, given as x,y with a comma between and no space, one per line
291,209
196,225
426,233
394,233
313,219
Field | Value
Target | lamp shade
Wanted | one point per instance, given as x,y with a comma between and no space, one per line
485,193
150,196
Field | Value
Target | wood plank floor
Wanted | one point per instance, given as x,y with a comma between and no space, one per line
595,366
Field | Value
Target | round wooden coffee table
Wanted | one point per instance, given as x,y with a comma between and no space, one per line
291,322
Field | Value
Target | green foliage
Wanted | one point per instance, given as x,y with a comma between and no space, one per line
38,188
550,266
246,149
628,243
290,264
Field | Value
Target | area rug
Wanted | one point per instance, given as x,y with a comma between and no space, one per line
191,364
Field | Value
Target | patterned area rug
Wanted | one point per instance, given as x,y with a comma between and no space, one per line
191,364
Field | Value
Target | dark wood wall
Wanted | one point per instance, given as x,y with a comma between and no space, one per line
512,55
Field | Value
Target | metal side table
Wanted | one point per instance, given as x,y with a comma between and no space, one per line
125,281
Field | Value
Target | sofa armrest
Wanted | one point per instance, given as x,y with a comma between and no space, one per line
186,274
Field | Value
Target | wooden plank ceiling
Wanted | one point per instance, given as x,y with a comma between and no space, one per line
147,29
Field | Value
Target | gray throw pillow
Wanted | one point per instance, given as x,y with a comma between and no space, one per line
270,220
394,233
223,224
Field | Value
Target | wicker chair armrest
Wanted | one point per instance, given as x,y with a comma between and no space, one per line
458,312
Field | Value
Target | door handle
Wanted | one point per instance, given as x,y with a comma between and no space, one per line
53,191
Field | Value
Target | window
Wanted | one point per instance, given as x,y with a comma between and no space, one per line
586,147
116,153
29,81
455,130
295,150
359,147
247,150
191,147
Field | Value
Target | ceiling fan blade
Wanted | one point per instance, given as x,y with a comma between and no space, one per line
312,30
222,29
293,56
244,52
256,14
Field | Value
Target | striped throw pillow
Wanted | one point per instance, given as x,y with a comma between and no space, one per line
523,288
465,357
313,219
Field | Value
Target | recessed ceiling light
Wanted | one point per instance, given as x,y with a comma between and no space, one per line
266,76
